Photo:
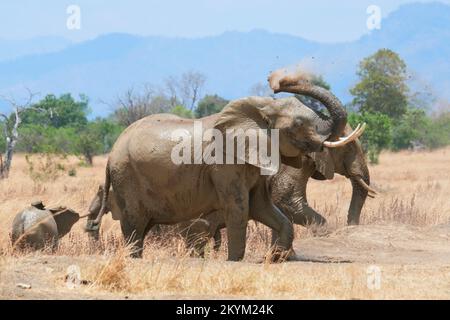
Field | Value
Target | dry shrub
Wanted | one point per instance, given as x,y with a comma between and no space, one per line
45,167
113,275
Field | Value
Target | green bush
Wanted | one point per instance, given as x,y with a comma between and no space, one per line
438,133
378,133
182,112
210,104
414,125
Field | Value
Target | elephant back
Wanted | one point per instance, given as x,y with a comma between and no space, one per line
33,226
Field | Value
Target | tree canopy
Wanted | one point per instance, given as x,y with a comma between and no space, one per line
210,104
382,86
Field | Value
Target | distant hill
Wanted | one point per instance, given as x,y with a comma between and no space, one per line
10,49
233,61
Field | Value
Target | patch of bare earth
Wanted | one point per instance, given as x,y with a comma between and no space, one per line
412,263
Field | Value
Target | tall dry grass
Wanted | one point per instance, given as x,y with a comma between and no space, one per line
414,188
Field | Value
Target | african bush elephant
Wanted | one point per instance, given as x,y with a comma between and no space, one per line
151,189
288,187
36,226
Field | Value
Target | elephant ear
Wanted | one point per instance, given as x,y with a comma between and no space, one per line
246,116
65,218
324,164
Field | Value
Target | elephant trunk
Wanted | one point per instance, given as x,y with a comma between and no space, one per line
301,84
359,196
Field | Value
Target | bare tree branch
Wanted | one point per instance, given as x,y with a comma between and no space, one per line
134,105
11,129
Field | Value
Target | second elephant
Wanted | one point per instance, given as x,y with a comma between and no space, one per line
288,186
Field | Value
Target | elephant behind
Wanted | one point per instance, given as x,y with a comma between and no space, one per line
288,187
36,226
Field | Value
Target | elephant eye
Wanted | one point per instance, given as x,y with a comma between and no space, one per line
298,122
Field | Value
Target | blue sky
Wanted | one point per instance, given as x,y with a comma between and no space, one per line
22,19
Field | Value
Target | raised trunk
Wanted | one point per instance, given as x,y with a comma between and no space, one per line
334,126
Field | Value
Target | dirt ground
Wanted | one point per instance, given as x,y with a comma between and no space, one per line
411,262
400,251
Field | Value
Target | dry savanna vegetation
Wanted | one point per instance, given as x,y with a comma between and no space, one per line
400,250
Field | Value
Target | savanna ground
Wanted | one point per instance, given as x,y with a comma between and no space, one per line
401,249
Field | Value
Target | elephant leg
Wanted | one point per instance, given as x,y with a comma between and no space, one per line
236,220
134,236
308,216
196,235
217,240
233,198
283,233
237,236
263,210
275,238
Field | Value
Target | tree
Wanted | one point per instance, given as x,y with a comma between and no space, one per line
181,111
87,143
382,86
62,111
438,133
210,104
186,90
378,134
107,131
311,102
413,126
132,105
11,126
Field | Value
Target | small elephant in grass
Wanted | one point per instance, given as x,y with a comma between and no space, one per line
38,226
195,232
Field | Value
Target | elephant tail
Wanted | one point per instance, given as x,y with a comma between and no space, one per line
104,196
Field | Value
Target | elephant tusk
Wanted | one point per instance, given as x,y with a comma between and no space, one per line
343,141
363,184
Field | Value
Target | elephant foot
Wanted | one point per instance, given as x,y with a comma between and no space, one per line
353,222
91,226
279,255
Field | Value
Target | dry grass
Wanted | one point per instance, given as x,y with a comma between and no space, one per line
414,189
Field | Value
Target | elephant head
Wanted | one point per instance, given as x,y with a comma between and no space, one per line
300,128
350,162
65,218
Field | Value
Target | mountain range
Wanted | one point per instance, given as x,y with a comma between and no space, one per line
233,62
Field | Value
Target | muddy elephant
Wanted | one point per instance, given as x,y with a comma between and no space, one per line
195,232
288,187
151,188
37,226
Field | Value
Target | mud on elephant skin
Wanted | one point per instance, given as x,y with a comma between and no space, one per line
289,185
37,226
196,232
151,189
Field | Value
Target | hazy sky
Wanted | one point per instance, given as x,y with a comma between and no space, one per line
21,19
